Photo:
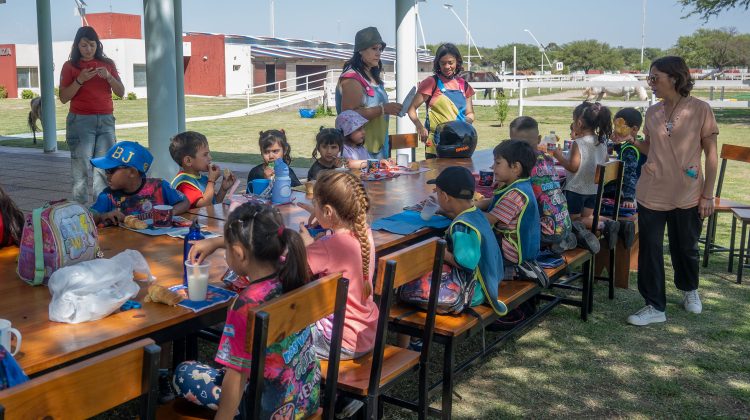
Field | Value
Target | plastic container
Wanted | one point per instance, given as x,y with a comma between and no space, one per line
307,113
281,192
194,234
549,142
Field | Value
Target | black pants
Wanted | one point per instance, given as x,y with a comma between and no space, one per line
683,230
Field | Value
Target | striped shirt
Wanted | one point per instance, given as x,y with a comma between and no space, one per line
507,210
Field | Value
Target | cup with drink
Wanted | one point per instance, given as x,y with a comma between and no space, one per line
429,207
162,216
5,334
197,277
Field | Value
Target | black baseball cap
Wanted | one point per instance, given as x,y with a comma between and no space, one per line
456,181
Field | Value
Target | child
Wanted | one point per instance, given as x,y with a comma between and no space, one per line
553,208
352,125
629,154
592,123
273,145
512,210
256,243
341,205
471,243
329,142
129,191
11,221
190,151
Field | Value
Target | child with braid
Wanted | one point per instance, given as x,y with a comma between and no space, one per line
341,205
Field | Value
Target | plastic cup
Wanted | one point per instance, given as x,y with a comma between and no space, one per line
429,209
260,185
486,178
162,216
197,276
402,160
309,187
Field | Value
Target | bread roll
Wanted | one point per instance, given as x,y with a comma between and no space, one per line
161,294
134,223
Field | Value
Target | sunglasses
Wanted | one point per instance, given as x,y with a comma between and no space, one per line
652,78
111,171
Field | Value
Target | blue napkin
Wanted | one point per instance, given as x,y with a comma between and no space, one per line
409,221
11,373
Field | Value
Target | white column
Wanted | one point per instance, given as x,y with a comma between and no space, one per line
406,60
158,18
46,74
180,65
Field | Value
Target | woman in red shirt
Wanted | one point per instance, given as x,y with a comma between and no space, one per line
88,80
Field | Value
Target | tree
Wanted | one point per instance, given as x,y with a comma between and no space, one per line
590,54
717,48
708,8
527,57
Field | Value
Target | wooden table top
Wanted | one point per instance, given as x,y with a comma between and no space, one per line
742,214
46,344
387,197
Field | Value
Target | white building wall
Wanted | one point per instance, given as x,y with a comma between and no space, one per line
291,73
238,68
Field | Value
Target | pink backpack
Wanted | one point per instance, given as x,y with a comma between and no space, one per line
60,234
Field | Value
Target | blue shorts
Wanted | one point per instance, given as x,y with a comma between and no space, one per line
577,202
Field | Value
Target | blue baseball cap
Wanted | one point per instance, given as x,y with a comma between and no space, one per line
125,153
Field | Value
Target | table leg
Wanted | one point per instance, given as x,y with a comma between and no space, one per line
178,352
449,360
731,244
742,253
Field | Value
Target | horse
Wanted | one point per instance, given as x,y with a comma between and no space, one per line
34,115
482,76
597,92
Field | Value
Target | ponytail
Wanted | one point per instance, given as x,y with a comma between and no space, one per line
596,117
295,271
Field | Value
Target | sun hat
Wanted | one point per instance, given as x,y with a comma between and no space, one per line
366,38
349,121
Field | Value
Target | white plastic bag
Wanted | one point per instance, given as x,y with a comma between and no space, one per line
91,290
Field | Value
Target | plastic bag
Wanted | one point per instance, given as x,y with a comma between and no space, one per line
91,290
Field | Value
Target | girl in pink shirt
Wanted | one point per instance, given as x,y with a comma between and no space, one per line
341,205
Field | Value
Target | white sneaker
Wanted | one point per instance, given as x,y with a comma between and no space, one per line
692,302
646,315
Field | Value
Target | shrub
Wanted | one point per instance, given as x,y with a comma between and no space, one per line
27,94
57,92
324,111
3,92
115,97
131,96
501,107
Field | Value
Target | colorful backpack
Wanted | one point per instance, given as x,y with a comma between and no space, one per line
456,290
60,234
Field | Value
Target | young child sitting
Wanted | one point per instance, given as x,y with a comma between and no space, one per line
341,205
592,123
11,221
512,210
328,143
471,243
129,191
273,146
259,247
352,125
628,153
190,151
554,218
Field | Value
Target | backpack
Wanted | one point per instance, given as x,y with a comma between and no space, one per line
60,234
456,290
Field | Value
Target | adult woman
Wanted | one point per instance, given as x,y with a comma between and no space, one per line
448,96
672,189
87,80
361,89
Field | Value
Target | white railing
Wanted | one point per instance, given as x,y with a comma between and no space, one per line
283,86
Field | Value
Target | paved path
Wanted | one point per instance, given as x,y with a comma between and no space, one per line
32,177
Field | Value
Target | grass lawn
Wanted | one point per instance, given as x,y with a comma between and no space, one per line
693,366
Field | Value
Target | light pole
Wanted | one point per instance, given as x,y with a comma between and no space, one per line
542,50
449,6
273,29
643,32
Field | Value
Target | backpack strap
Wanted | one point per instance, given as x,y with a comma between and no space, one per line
427,103
36,219
359,78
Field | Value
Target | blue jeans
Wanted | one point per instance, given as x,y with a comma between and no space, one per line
88,136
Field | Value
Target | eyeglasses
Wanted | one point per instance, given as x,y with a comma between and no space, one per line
652,78
111,171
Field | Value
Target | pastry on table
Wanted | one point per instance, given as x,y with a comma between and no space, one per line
161,294
133,222
414,166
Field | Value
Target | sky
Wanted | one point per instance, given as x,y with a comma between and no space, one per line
491,22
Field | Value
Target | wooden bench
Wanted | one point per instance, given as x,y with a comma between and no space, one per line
90,387
273,321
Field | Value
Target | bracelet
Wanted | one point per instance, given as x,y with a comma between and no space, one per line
79,83
210,180
707,198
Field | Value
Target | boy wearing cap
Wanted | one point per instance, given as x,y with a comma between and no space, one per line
471,243
129,191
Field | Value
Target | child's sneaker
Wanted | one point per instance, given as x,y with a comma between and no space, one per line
585,238
647,315
627,233
166,392
692,302
610,232
415,344
348,407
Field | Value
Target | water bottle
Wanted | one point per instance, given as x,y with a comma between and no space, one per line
194,234
549,143
281,192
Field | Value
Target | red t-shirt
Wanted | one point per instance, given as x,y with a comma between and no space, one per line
95,96
427,86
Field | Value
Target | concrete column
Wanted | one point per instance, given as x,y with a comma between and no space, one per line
406,60
180,65
46,74
158,17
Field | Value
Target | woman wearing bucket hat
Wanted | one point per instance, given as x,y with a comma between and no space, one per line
361,89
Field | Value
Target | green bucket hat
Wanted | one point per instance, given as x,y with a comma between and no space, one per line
366,38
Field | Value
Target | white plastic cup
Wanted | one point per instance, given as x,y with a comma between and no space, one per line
429,208
5,332
402,160
197,276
